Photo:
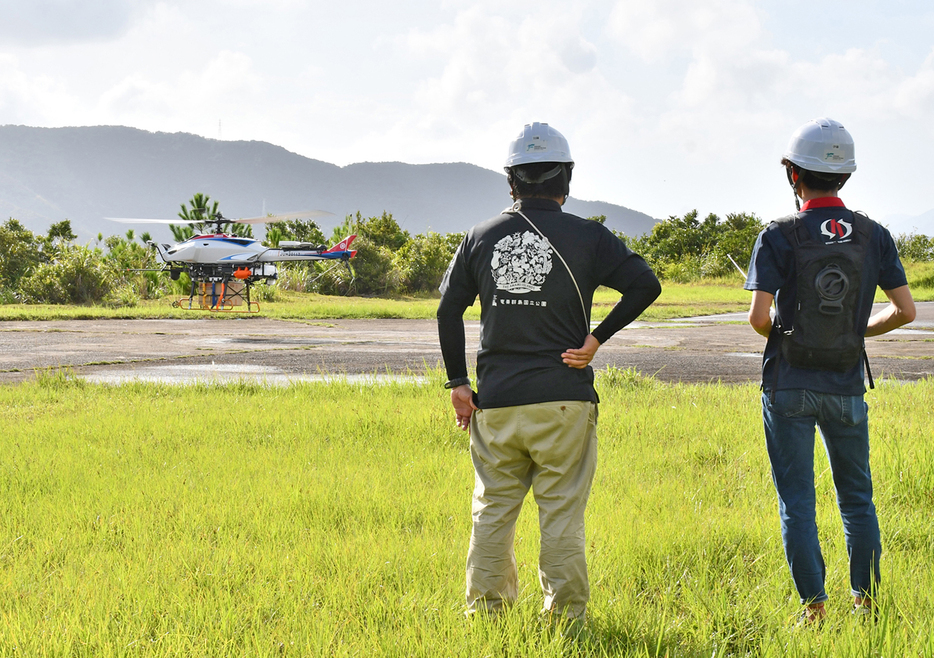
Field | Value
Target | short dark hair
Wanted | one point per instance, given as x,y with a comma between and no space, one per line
815,180
556,186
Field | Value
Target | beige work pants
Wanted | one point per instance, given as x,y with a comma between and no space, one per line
550,447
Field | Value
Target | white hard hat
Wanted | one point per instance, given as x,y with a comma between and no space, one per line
538,142
822,145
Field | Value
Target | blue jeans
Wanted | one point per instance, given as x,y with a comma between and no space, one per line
789,436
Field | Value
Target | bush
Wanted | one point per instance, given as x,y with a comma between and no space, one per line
295,275
79,275
689,268
20,253
300,230
423,260
915,247
122,296
266,293
125,256
333,280
375,270
685,249
8,296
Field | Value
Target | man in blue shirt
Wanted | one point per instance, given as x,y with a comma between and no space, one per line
799,395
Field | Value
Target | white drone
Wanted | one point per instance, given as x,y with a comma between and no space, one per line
222,267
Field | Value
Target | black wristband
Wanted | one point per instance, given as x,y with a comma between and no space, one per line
459,381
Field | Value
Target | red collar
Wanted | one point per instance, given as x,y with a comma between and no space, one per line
824,202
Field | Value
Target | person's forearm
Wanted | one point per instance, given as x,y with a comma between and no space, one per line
884,321
637,297
453,342
899,312
760,314
764,330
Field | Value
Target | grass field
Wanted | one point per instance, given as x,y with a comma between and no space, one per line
318,520
677,301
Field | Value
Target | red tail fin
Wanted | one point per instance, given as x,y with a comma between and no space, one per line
342,245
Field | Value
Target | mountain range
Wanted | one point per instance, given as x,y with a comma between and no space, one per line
85,174
923,223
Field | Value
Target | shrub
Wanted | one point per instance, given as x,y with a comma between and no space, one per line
122,296
685,270
915,247
295,275
423,260
8,296
265,293
20,253
680,247
125,257
301,230
79,275
375,270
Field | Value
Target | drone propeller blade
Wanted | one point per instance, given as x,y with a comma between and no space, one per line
133,220
283,217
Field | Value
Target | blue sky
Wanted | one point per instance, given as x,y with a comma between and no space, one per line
668,105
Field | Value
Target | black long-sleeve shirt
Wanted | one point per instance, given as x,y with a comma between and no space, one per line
530,308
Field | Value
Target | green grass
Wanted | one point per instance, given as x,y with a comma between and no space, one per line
289,305
678,300
681,300
319,519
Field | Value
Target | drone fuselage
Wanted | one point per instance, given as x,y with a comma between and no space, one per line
216,257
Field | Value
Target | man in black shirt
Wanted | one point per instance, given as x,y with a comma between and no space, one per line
533,419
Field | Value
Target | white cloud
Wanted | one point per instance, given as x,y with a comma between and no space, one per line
914,97
226,80
47,21
495,70
25,97
665,28
661,101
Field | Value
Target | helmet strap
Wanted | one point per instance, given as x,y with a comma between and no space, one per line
792,172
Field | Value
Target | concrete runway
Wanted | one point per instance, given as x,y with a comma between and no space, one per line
705,349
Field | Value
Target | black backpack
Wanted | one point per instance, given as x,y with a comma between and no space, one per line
823,333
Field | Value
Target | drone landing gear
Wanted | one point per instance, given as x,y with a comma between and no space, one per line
219,297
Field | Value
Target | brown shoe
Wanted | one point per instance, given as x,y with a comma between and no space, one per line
864,609
812,615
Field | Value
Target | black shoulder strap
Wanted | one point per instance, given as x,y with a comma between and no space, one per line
787,219
788,225
792,228
862,226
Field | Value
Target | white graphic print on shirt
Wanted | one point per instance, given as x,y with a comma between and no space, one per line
521,262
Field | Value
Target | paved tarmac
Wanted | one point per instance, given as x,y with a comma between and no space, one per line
704,349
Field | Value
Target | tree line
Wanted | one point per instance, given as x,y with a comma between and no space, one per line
54,269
